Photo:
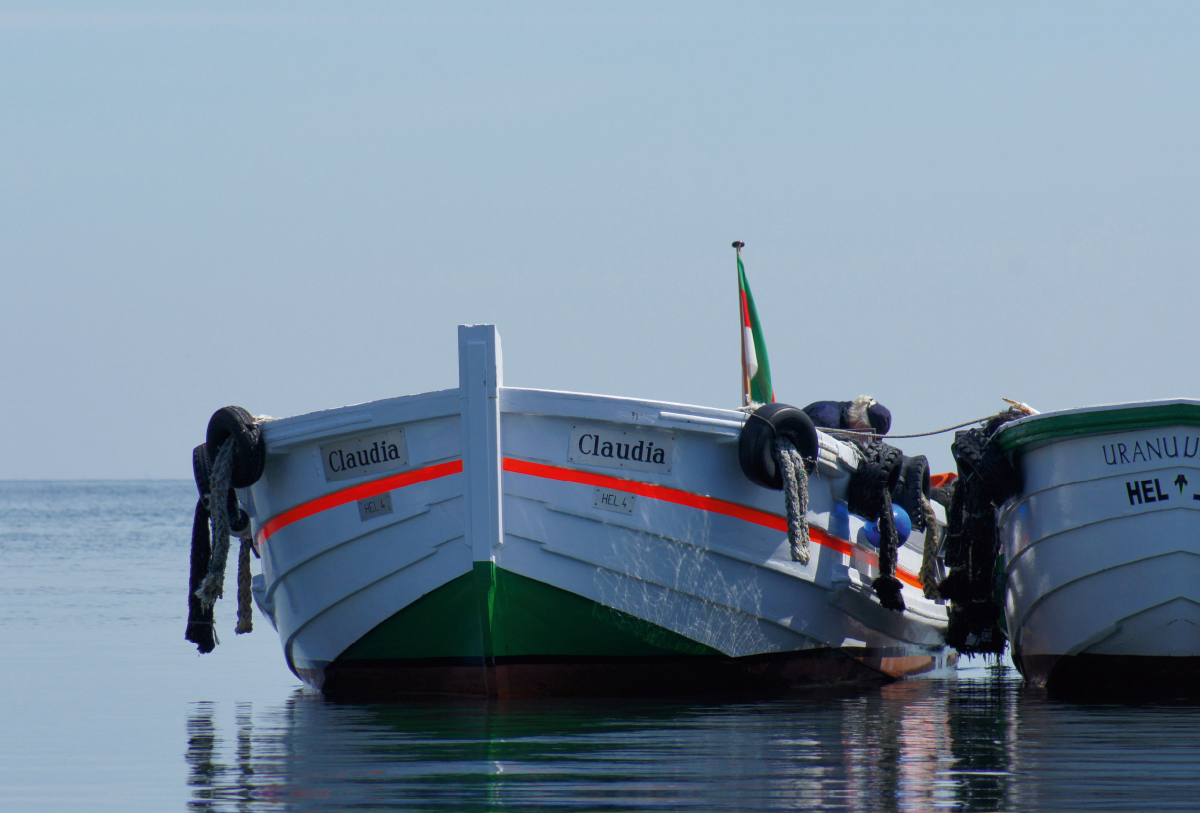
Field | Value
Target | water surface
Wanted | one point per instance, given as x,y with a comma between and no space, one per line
104,706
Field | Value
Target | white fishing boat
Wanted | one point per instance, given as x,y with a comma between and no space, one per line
1101,548
508,542
500,541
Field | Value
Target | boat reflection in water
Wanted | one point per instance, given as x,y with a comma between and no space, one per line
973,744
913,745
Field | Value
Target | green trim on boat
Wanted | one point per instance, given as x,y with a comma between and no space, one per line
440,624
492,612
1039,430
483,576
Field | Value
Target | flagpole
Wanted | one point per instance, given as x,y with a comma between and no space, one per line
737,246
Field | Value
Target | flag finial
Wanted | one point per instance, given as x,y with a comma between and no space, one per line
738,244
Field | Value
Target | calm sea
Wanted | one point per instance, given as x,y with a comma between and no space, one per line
104,706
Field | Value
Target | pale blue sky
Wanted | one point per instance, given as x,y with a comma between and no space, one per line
291,206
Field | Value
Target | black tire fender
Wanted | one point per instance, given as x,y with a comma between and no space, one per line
249,449
913,484
756,442
976,456
878,472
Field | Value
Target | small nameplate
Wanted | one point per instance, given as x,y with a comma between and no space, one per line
617,449
362,456
375,506
609,500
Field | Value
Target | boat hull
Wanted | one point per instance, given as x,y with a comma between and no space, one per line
504,554
1114,676
769,674
1102,552
545,641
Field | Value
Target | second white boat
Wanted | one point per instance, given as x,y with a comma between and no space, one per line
1101,549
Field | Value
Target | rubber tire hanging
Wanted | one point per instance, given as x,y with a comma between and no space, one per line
756,442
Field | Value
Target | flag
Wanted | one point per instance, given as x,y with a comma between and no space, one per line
756,370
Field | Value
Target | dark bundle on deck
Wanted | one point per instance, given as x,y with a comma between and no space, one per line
986,479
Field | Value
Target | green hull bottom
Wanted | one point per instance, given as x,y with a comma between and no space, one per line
494,633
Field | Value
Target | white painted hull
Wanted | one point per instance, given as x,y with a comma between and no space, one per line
491,478
1102,551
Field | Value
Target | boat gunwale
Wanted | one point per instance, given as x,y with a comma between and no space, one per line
1034,431
283,434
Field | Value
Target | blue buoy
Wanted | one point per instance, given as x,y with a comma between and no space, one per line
903,527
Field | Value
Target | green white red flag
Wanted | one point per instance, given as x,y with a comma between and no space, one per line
756,370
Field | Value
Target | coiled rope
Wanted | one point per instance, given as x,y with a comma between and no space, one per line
245,615
213,585
930,573
795,490
200,629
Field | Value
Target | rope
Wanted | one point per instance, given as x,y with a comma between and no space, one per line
213,585
795,489
200,629
929,564
858,434
235,437
245,616
886,585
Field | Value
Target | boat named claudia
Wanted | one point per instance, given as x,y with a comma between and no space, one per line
491,540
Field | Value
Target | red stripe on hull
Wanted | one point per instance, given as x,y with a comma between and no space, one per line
359,492
664,493
711,504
